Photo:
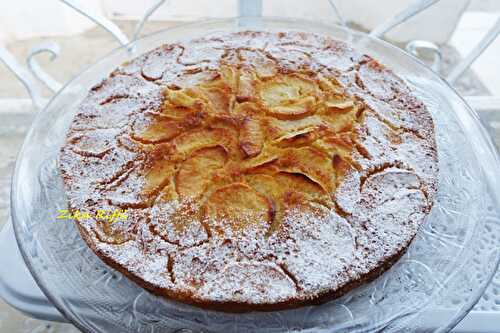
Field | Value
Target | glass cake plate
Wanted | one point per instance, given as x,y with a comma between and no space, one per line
446,259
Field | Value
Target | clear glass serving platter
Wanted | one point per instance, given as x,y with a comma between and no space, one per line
97,299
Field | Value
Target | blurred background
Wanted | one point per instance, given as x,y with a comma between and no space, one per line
456,26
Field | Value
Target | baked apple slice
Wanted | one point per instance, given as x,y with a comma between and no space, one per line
294,109
196,172
159,173
266,185
160,129
289,97
188,98
338,146
264,66
268,154
239,207
251,137
312,163
284,129
339,105
246,86
220,98
340,121
189,142
310,190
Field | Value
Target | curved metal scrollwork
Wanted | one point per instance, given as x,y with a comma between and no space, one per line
337,13
459,69
100,20
24,76
54,50
147,15
402,17
416,46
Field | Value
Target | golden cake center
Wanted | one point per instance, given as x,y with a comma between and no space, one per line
245,146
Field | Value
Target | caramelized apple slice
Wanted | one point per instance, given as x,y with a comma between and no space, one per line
330,87
289,97
304,137
265,169
246,86
264,66
251,137
273,93
173,112
168,193
302,184
159,173
196,172
340,121
248,148
219,97
266,185
294,109
304,85
247,109
284,89
187,98
301,132
186,143
337,144
341,166
312,163
288,191
239,206
268,155
339,105
270,187
159,130
279,129
334,143
229,76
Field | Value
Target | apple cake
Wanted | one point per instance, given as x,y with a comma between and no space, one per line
258,170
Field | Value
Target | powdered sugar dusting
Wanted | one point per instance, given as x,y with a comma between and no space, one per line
380,203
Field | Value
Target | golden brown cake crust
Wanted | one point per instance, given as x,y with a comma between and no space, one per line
259,171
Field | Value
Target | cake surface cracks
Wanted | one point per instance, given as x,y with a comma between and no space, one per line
259,170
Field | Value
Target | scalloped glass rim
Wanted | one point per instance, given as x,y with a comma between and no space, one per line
49,127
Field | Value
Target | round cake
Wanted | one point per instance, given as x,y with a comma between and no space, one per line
251,170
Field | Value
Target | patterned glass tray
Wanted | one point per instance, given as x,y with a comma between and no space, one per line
446,254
